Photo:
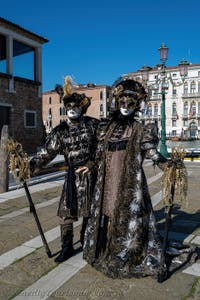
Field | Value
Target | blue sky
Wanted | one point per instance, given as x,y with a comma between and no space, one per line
97,41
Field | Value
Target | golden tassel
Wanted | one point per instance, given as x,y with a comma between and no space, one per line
174,180
19,161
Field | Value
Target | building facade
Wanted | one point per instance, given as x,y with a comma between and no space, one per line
182,102
21,84
54,110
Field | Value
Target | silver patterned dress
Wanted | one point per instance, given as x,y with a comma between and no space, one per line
121,238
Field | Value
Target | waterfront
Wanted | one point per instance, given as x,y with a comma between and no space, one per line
195,145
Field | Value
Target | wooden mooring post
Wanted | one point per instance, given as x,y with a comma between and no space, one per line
4,174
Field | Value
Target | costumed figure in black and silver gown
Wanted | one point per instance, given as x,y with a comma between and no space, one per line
74,138
121,239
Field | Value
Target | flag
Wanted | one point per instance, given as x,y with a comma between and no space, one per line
191,112
146,112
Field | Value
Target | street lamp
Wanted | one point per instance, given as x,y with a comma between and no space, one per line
162,82
163,57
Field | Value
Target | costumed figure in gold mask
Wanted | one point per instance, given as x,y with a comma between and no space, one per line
121,238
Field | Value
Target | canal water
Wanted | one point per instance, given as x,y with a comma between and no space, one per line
194,145
185,144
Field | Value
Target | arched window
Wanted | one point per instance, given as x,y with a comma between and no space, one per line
193,130
193,87
185,109
50,112
49,100
60,111
101,95
174,109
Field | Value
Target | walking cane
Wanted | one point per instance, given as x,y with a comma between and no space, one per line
19,166
162,273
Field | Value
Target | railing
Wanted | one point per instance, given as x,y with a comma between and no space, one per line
191,95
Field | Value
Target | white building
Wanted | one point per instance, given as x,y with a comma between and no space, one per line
182,102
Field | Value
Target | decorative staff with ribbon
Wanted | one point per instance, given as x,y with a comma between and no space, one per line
19,166
175,186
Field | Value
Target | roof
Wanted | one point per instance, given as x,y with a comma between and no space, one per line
8,24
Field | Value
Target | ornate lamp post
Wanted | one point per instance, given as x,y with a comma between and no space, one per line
162,83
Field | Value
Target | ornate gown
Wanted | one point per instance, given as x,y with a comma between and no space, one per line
121,238
77,142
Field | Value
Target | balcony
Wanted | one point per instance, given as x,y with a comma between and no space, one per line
155,98
191,95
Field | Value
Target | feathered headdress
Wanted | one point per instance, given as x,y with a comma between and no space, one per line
68,94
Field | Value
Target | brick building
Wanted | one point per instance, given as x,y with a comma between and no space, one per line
54,111
21,84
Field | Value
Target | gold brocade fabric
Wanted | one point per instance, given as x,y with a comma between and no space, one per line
114,167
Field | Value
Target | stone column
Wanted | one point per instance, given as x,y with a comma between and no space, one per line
38,68
9,56
4,174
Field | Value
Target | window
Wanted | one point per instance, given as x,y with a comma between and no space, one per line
156,110
198,108
174,109
174,132
50,112
30,119
185,88
150,110
101,95
63,111
60,109
2,53
198,86
193,87
185,123
101,109
174,75
185,109
173,91
49,100
23,60
173,123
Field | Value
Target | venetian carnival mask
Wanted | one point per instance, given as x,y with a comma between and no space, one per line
127,105
74,111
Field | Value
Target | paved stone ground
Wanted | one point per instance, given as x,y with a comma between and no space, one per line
34,276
